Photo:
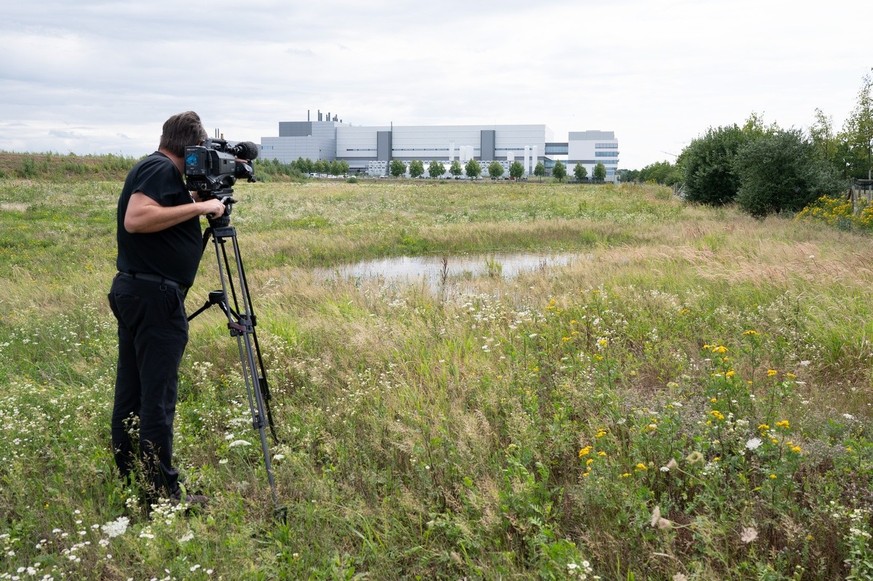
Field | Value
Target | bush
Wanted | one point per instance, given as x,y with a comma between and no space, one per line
782,172
708,167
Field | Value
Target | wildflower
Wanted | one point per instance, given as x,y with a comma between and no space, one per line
600,433
585,451
694,457
730,373
116,527
641,467
602,342
771,372
238,443
626,475
763,428
602,454
754,443
773,477
748,535
785,424
750,333
717,415
720,349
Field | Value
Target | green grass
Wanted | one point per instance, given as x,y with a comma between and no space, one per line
693,398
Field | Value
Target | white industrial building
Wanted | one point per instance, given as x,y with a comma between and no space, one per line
369,149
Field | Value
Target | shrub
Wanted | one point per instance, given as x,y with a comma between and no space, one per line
781,171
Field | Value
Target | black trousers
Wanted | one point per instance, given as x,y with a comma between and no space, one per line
152,335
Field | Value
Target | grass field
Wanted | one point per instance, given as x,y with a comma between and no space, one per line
691,401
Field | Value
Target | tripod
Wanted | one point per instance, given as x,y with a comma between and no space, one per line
235,301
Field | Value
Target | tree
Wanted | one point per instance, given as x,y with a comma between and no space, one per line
495,169
473,169
782,171
436,169
859,131
516,170
559,171
416,168
580,172
397,168
599,172
660,172
821,133
707,165
540,170
456,169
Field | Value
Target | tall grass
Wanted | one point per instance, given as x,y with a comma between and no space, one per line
691,399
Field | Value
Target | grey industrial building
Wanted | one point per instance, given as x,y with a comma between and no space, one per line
369,149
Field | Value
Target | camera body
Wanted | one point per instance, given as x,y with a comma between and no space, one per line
212,169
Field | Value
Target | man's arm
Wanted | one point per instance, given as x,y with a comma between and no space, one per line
144,215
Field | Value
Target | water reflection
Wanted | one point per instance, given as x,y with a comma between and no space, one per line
435,270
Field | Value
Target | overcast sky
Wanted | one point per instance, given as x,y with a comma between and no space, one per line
101,76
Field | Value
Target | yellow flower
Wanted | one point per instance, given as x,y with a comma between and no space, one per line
717,415
602,342
589,461
730,373
750,332
713,400
763,427
584,451
602,454
641,467
796,449
773,477
626,475
783,424
771,372
600,433
720,349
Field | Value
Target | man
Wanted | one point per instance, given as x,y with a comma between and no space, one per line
159,249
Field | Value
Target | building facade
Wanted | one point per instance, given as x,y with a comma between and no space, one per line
369,149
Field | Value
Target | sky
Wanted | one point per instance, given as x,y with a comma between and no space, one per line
101,76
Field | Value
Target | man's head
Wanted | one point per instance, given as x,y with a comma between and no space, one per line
182,130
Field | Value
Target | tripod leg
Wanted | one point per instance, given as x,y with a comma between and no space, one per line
241,322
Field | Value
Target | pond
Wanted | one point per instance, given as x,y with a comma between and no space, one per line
435,270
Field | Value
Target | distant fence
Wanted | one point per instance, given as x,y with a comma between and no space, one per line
861,194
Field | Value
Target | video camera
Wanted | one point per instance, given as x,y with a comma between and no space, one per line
213,168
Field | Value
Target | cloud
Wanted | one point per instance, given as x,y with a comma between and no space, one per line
94,76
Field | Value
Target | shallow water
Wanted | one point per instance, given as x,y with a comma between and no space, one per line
434,269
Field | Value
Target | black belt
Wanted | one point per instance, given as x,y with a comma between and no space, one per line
154,278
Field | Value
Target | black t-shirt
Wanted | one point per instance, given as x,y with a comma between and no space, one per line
173,253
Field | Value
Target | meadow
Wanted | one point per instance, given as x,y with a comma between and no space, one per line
691,399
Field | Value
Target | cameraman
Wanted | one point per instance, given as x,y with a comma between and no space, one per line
159,249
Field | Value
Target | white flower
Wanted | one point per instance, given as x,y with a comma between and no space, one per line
754,443
748,535
237,443
116,527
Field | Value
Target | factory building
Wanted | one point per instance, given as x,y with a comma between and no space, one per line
370,149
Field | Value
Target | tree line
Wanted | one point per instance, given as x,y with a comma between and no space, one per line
766,169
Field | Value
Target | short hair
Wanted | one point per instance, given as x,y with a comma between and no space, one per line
182,130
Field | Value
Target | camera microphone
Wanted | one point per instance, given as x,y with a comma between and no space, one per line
245,150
